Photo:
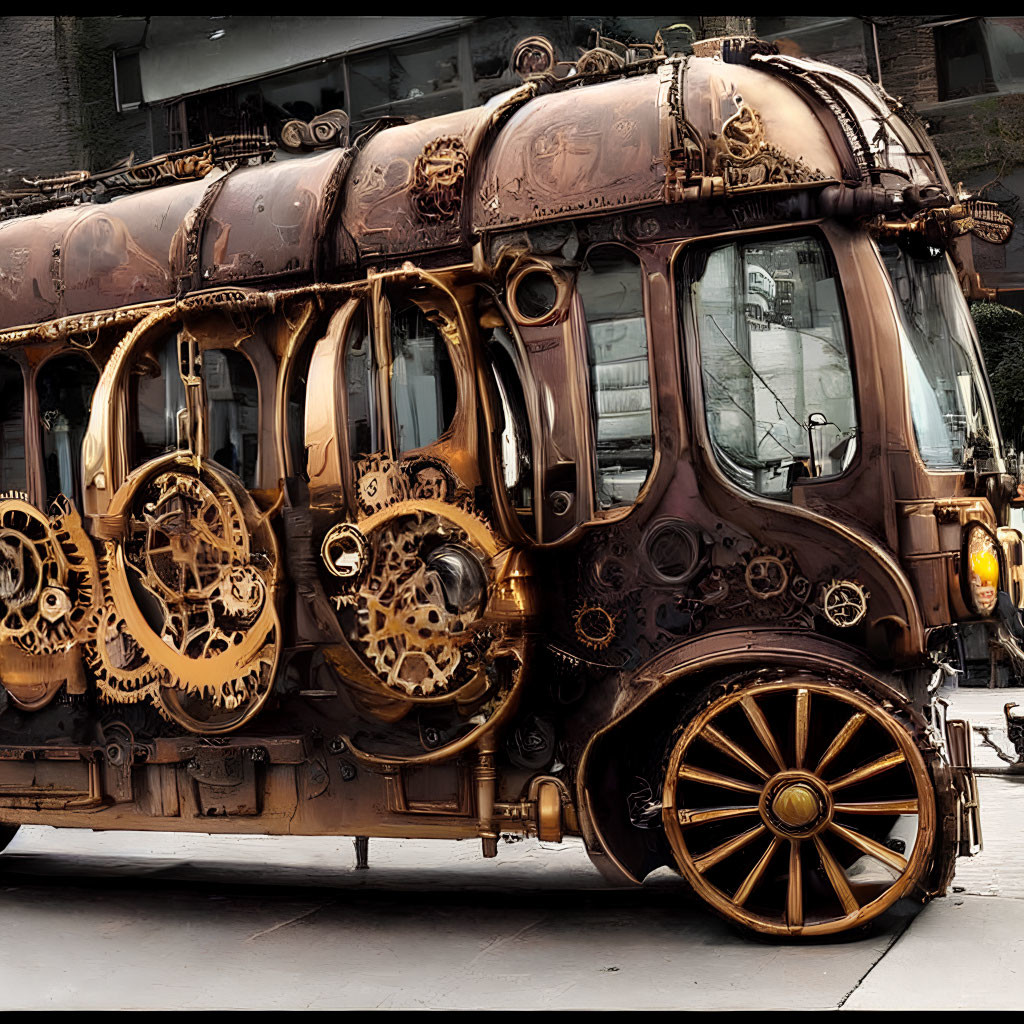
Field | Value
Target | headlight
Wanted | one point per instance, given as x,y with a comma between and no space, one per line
980,568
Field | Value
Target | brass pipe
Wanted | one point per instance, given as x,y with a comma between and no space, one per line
485,777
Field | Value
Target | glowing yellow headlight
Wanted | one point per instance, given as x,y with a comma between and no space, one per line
985,565
981,566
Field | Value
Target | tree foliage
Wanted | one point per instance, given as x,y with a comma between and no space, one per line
1001,332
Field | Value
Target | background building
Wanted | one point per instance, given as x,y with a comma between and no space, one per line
83,93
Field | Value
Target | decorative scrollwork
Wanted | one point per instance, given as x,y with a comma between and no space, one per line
744,157
344,552
986,221
437,178
844,603
533,56
599,61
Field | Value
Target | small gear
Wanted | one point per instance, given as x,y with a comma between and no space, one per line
767,575
379,484
595,626
344,552
844,603
428,479
240,595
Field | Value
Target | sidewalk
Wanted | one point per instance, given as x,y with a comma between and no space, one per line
967,950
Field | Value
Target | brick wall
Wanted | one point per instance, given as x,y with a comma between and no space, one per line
907,54
36,102
57,89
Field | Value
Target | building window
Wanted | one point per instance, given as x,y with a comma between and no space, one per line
127,80
979,55
421,80
156,399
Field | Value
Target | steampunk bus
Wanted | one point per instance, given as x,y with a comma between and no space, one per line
614,460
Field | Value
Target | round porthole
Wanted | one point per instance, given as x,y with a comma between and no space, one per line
673,551
534,295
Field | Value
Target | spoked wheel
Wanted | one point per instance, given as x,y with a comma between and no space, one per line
798,807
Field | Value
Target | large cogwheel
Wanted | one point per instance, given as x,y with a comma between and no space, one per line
49,586
420,611
204,561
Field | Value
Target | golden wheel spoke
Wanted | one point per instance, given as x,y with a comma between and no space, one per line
879,807
869,771
872,848
842,738
714,779
727,849
795,895
837,877
763,730
756,873
687,818
734,750
803,724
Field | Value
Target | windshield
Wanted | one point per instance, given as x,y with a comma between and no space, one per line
778,387
949,402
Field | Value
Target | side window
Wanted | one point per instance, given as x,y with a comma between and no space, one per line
611,287
423,387
778,387
511,418
64,386
232,412
364,434
297,412
156,396
12,427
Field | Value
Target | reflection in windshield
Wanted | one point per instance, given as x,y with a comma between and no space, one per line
948,399
774,363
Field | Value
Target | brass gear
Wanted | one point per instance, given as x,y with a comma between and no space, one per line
197,543
595,626
49,586
379,483
123,672
767,575
417,646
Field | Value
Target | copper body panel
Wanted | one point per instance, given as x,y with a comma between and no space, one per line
389,595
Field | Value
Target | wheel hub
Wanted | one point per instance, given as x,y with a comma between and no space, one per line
795,805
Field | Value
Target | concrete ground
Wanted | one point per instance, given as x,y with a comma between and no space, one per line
175,921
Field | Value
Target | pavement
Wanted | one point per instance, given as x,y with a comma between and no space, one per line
175,921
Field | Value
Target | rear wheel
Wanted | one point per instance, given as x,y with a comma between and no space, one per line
799,807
